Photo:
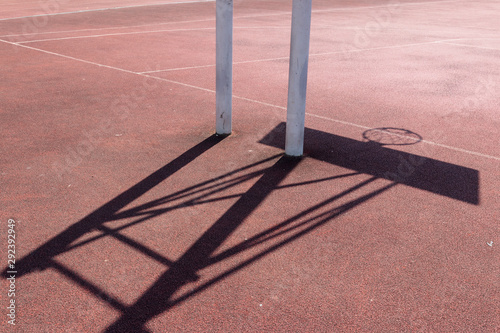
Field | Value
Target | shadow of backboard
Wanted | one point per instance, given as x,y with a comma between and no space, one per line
450,180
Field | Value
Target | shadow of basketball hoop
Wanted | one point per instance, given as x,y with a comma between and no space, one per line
184,277
391,136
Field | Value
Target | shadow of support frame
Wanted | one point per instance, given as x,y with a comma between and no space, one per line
431,175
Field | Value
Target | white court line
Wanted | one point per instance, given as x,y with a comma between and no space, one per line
178,69
462,150
17,2
239,97
357,50
67,57
310,55
141,32
170,30
203,1
115,34
477,27
104,9
444,41
194,29
213,19
108,28
314,11
210,20
387,5
472,46
207,66
104,66
126,27
152,31
423,141
338,121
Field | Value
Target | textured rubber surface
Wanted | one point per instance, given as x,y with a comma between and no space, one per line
131,216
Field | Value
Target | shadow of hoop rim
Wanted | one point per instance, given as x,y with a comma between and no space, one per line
392,131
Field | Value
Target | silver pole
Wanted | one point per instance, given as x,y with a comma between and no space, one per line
224,66
297,79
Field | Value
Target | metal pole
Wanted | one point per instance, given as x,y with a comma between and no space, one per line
224,66
297,79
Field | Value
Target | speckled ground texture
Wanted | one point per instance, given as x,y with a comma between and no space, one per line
131,216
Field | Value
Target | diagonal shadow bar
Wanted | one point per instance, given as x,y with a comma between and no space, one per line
198,200
41,257
198,188
135,245
149,214
91,288
279,229
158,297
312,224
446,179
146,209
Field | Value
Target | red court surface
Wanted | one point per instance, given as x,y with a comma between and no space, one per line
131,216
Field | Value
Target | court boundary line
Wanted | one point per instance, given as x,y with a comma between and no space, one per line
385,5
180,22
238,97
104,9
140,32
444,41
472,46
146,25
115,34
209,20
286,58
208,1
108,28
195,29
457,149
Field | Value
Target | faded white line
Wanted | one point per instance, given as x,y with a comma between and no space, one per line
462,150
104,9
177,82
339,121
347,123
213,28
383,6
115,34
138,33
470,152
177,69
472,46
236,17
241,98
206,66
108,28
377,48
311,55
192,21
314,11
104,66
67,57
259,102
